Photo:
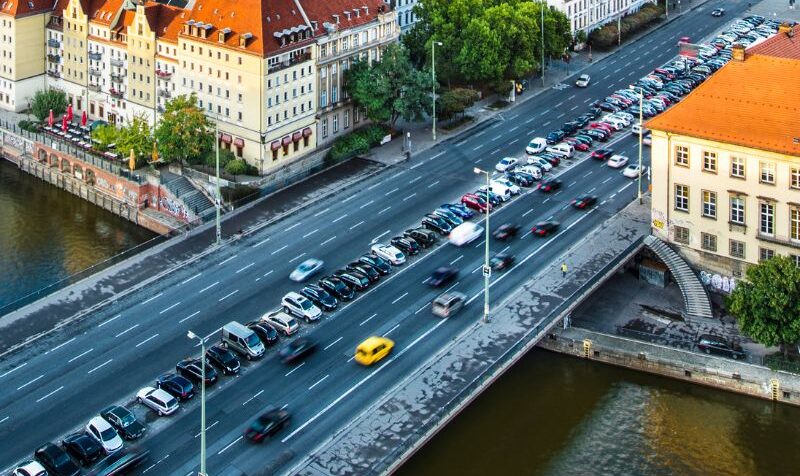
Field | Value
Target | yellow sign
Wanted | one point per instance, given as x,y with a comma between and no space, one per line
658,224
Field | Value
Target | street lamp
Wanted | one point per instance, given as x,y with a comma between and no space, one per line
434,44
219,195
487,270
192,335
641,103
544,4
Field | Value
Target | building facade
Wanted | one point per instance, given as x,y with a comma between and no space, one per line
22,51
726,165
587,15
404,11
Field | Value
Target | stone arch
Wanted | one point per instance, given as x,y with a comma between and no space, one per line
77,171
42,156
89,176
65,166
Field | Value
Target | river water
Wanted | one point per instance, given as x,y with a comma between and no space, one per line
557,415
47,234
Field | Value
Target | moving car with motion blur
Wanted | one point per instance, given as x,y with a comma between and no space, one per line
373,349
297,349
267,425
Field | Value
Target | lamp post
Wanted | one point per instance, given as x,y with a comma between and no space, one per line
641,103
542,26
487,271
192,335
219,195
434,44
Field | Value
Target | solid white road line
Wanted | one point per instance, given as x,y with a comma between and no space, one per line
192,278
60,346
146,340
291,371
228,295
100,366
332,343
279,250
127,330
112,319
50,394
245,267
150,299
367,319
79,355
208,287
170,307
319,381
188,317
401,297
228,259
30,382
230,444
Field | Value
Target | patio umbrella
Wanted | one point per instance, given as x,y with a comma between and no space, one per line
132,161
50,119
64,123
83,119
155,151
69,113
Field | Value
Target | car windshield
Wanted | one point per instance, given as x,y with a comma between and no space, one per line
171,403
252,340
108,434
127,419
306,304
291,322
398,255
227,357
305,267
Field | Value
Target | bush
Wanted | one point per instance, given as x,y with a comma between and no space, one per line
357,142
210,159
236,167
778,362
606,36
28,126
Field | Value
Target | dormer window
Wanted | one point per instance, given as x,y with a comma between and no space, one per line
244,39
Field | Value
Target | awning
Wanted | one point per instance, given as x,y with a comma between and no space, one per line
226,138
238,142
297,136
275,145
286,141
307,132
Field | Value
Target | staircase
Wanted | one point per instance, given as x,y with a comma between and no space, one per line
695,299
183,189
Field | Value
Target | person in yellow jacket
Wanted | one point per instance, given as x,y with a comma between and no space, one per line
563,269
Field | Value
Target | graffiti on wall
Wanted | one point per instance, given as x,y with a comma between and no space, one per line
15,141
103,183
717,282
174,207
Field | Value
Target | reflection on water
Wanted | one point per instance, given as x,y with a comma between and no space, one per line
47,234
556,415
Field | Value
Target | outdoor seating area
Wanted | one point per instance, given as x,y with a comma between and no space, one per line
77,133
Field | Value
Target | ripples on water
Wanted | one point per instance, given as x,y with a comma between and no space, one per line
47,234
556,415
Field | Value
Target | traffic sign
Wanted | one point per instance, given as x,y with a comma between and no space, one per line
487,271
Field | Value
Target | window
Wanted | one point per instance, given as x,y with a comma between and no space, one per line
682,155
765,254
324,128
709,241
794,223
335,123
710,161
681,235
709,204
767,172
323,99
736,249
682,198
737,210
737,167
346,119
794,178
767,218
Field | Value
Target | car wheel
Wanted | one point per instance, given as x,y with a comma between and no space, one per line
140,399
708,351
248,357
160,413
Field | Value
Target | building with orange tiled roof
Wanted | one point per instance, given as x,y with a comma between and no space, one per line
22,25
726,162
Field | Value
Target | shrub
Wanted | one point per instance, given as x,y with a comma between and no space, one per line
28,126
357,142
236,167
606,36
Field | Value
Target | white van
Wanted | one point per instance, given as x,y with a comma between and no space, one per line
636,128
501,191
535,171
536,145
562,149
242,339
465,233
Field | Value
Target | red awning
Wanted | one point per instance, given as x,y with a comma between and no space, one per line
307,132
238,142
275,145
286,141
226,138
297,136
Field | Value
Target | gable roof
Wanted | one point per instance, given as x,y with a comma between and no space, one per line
781,45
21,8
360,13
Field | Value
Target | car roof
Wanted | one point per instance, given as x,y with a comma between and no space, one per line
99,422
294,295
373,341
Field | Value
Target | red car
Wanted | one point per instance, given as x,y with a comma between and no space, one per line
602,154
602,125
549,185
474,202
544,228
585,201
619,97
684,39
578,145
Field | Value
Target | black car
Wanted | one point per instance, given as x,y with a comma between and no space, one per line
82,447
544,228
550,185
407,245
192,370
595,112
297,349
175,385
584,201
223,359
56,461
598,134
717,12
570,127
501,261
367,270
337,287
442,276
424,237
121,462
584,119
267,424
265,332
436,223
520,178
322,298
354,279
608,107
602,154
506,231
553,159
555,137
379,263
124,421
711,344
494,198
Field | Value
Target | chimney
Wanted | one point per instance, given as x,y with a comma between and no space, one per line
336,18
785,28
314,25
737,52
366,9
347,14
357,12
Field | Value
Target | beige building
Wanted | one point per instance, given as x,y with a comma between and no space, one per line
22,51
726,163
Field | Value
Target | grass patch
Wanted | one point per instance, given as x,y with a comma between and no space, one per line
457,123
777,361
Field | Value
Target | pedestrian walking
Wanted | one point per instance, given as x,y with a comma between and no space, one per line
564,270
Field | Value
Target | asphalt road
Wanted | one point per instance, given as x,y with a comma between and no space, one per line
124,347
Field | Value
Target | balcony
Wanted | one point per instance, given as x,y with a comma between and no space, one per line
164,93
117,62
291,62
165,75
95,56
94,72
54,58
116,93
93,87
53,74
160,108
117,78
53,43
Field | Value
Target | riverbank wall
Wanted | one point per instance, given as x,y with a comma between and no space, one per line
689,366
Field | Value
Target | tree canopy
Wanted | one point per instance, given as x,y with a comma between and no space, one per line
46,99
135,135
767,304
184,132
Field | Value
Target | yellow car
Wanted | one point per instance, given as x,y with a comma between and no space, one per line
373,349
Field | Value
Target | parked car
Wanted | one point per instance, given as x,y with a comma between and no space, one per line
157,400
369,271
389,253
450,217
459,209
405,244
297,349
379,263
124,421
192,368
439,224
282,322
30,468
337,288
298,305
55,460
223,359
306,269
711,344
177,386
322,298
353,279
83,447
583,81
442,276
536,145
506,231
267,424
105,434
544,228
471,201
424,237
265,332
555,137
506,163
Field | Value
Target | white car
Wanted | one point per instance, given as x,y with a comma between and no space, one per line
615,117
512,187
281,321
465,233
157,400
637,128
301,306
541,163
105,434
389,253
616,161
632,170
30,468
306,269
583,81
536,145
507,163
647,139
534,170
626,115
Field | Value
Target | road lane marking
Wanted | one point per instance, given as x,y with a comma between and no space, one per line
373,186
572,183
366,204
476,269
112,319
150,299
513,129
268,273
50,394
279,250
573,108
319,381
384,210
480,133
592,190
367,319
228,295
357,224
456,260
208,287
390,330
626,186
60,346
170,307
322,212
415,179
207,428
245,267
30,382
291,371
249,399
587,100
514,141
15,369
4,419
390,192
127,330
433,184
188,317
456,284
420,309
297,257
415,166
528,212
310,233
192,278
375,240
226,260
100,366
559,105
497,137
333,343
546,124
545,200
530,120
79,355
328,240
606,180
612,196
230,444
410,196
397,174
587,174
261,242
477,146
340,218
297,224
348,198
437,155
401,297
146,340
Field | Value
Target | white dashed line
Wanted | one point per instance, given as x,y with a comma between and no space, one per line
192,278
30,382
262,242
310,233
384,210
228,259
433,184
230,444
209,286
188,317
366,204
328,241
390,330
50,394
333,343
415,179
228,295
245,267
23,365
401,297
100,366
279,250
456,260
357,224
297,257
127,330
291,371
340,218
150,299
146,340
297,224
250,399
79,356
60,345
410,196
367,319
319,381
166,309
390,192
322,212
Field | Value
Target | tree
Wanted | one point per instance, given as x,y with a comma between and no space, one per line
136,136
390,88
184,131
236,167
455,101
45,100
105,135
767,304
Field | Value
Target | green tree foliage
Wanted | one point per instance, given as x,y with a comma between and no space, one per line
135,135
607,35
455,101
236,167
767,304
104,135
184,133
45,100
390,88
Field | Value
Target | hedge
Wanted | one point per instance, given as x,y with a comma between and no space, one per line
357,142
606,36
